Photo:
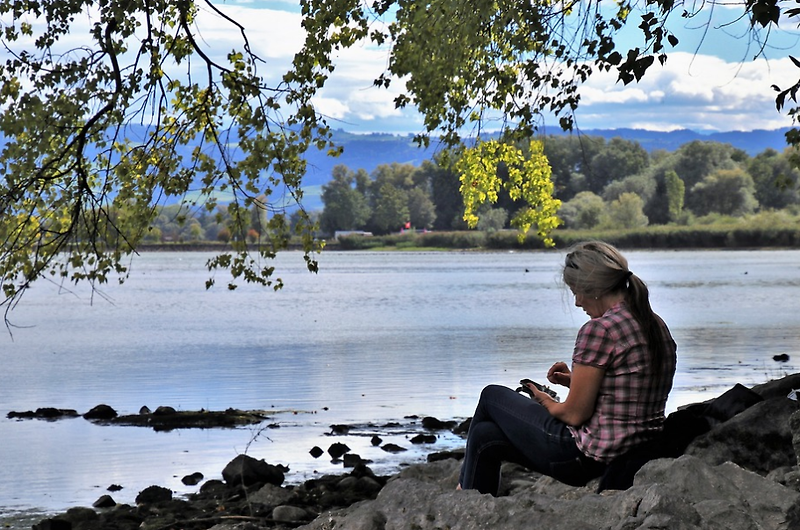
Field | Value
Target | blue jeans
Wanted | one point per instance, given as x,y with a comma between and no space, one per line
510,427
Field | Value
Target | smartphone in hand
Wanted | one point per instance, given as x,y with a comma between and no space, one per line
540,388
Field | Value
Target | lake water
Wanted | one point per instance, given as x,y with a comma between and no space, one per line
373,337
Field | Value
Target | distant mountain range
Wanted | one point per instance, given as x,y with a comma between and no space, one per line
368,151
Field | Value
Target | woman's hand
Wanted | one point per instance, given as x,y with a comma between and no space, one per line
559,374
580,403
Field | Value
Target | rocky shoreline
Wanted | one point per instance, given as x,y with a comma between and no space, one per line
739,473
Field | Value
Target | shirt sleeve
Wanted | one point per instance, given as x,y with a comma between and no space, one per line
594,345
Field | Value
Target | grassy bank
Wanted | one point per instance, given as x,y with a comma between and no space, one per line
656,237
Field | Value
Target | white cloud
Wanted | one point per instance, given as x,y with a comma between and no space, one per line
691,91
701,92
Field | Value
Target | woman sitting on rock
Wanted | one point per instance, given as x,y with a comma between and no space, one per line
622,370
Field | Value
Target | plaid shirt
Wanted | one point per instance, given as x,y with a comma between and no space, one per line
632,397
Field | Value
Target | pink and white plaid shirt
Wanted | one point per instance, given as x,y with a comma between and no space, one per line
632,397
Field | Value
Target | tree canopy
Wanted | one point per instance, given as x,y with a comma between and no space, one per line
98,134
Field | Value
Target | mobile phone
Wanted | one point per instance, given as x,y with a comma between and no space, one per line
541,388
525,382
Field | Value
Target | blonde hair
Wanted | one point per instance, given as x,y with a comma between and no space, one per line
595,269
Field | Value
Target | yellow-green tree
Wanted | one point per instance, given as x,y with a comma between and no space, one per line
527,180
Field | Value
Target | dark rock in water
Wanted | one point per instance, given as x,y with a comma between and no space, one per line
144,410
445,455
423,439
245,470
44,413
393,448
316,452
193,479
164,420
105,501
154,495
114,487
463,427
782,358
340,429
101,412
376,440
352,460
336,450
434,424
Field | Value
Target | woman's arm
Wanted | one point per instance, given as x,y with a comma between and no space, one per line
579,406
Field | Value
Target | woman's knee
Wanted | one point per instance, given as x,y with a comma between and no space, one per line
485,433
491,393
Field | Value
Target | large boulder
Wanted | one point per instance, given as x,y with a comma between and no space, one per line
758,439
684,493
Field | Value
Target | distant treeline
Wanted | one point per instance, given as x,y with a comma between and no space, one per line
662,237
685,198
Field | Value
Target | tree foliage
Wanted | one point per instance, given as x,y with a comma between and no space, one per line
97,135
585,210
528,180
346,208
725,191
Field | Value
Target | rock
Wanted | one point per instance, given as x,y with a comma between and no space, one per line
53,524
167,419
463,427
270,495
336,450
145,410
340,429
105,501
684,493
101,412
352,460
376,440
44,413
393,448
423,439
289,514
114,487
758,439
435,424
245,470
154,495
316,452
193,479
794,426
443,455
214,489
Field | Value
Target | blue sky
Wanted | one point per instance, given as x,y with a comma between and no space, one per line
710,83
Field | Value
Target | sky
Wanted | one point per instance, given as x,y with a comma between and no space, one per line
709,83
